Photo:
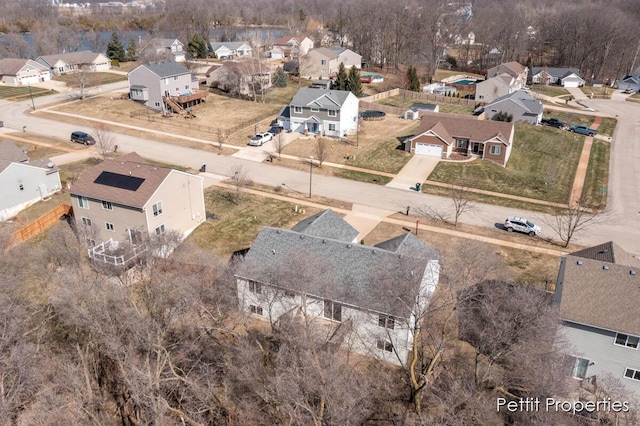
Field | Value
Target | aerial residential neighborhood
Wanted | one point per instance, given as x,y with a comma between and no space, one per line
347,213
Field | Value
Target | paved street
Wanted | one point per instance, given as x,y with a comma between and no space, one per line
624,194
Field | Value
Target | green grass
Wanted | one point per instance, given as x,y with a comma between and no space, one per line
93,79
597,172
552,91
362,177
405,103
386,157
15,93
607,126
542,166
570,118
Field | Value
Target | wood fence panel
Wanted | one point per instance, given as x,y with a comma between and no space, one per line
39,225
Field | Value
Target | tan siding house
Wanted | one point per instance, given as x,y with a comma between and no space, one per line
22,72
323,62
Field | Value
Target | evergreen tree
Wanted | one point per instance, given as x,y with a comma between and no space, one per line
412,77
342,79
132,50
280,78
354,83
197,46
115,50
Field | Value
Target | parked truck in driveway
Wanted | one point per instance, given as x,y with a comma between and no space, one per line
553,122
583,130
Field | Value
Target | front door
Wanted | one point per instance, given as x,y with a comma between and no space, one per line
476,148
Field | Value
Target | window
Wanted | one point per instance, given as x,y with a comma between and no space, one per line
21,187
332,310
157,104
83,202
297,110
386,321
255,287
630,373
107,205
91,242
157,209
86,221
187,87
625,340
160,230
481,97
165,80
255,309
462,143
109,226
135,236
315,109
332,127
384,345
495,150
175,77
323,62
580,368
332,113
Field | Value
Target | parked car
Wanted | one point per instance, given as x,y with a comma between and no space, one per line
260,139
553,122
82,137
522,225
628,91
274,130
583,130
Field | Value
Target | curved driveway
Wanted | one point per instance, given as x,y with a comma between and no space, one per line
624,194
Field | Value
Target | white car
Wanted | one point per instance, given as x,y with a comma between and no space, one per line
260,139
522,225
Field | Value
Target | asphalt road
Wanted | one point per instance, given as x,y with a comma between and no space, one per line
624,194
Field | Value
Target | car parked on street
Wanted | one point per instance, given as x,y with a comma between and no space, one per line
82,137
260,139
582,129
520,224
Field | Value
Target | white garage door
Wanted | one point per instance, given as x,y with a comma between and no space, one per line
29,80
430,150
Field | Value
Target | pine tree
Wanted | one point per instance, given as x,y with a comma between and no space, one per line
342,79
412,77
197,46
115,50
280,78
354,83
132,50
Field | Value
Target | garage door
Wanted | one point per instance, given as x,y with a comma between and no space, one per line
430,150
29,80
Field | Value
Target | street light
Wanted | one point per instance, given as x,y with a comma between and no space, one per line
310,173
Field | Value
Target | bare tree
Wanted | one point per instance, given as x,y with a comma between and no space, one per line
567,223
81,81
278,144
105,139
459,203
222,138
321,150
239,180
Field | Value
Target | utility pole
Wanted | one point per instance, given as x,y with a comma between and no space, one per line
33,105
310,173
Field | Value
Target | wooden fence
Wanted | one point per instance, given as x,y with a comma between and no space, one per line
39,225
420,96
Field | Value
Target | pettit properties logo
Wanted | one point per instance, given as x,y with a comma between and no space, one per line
554,405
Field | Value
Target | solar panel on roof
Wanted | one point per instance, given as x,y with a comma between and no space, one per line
116,180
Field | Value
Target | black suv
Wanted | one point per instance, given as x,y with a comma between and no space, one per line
82,137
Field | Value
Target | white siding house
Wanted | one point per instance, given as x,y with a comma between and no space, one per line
328,112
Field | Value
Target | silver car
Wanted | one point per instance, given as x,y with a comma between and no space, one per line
522,225
260,139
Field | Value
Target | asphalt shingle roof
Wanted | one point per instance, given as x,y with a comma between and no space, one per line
11,153
522,98
322,98
555,72
327,224
167,69
73,58
451,127
11,66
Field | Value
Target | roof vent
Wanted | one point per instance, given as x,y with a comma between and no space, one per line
579,262
50,165
375,251
348,245
632,272
605,251
324,241
605,267
278,231
302,237
273,251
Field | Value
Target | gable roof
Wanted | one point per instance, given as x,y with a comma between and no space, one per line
327,224
323,98
72,58
11,153
289,40
450,127
555,72
11,66
162,43
600,286
515,67
326,52
165,69
115,180
249,66
342,271
521,98
231,45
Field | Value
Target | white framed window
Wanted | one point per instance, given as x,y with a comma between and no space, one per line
255,287
107,205
323,62
332,127
109,226
632,373
157,209
462,143
257,310
626,340
86,221
386,321
160,230
83,202
495,150
297,110
332,310
580,368
332,113
315,109
384,345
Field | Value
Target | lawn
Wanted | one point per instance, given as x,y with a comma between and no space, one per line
603,92
597,178
406,102
607,126
552,91
542,166
20,92
570,118
93,79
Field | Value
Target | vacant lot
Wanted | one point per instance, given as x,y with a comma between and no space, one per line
542,166
12,93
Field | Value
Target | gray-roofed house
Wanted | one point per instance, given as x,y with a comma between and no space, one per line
24,182
125,200
630,81
597,294
163,49
441,135
377,294
164,85
566,77
230,49
513,69
495,87
85,60
22,72
328,112
323,62
520,105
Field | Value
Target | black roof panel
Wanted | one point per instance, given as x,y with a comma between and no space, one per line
116,180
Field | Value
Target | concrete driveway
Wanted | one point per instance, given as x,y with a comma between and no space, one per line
261,153
417,170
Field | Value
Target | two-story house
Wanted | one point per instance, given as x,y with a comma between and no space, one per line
125,200
440,135
163,50
495,87
22,72
24,182
373,296
596,296
328,112
293,46
85,60
513,69
164,85
323,62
